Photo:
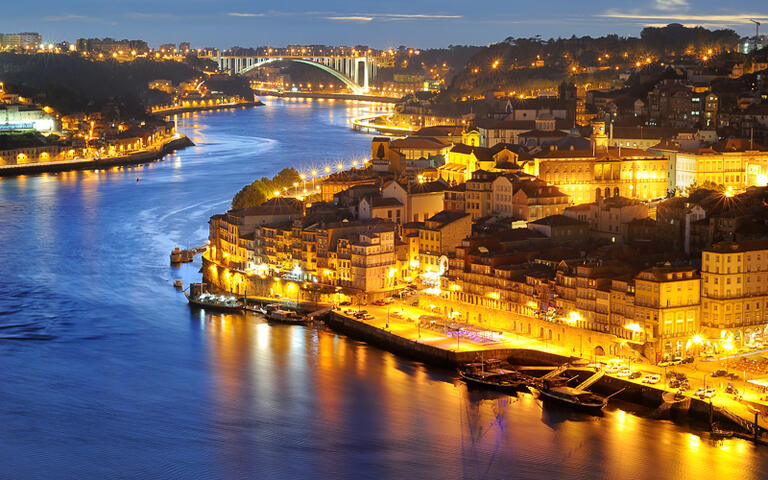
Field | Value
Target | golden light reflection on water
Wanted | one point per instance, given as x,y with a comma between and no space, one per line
313,385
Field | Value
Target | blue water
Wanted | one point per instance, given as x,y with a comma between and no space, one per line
105,372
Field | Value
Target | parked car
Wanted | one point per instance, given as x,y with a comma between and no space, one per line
674,382
612,369
703,393
684,385
651,379
624,372
635,375
732,376
368,316
379,303
719,373
730,389
345,304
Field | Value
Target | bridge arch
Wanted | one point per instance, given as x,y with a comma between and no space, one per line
346,80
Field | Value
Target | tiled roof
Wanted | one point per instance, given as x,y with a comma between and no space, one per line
481,153
558,221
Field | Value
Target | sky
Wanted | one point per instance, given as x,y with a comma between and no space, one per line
415,23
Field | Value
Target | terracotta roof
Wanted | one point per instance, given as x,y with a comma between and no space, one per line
481,153
736,247
420,143
440,131
446,217
558,221
536,133
377,202
611,153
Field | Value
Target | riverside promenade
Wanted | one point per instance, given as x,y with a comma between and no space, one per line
150,154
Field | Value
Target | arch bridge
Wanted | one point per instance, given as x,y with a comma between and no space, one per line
345,69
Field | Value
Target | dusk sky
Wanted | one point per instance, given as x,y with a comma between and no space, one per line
224,23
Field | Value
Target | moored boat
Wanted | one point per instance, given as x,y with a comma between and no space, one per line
210,301
286,316
489,374
176,256
572,397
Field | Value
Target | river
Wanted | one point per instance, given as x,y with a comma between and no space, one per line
105,372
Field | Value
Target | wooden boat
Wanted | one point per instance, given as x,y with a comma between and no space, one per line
178,284
479,374
556,388
719,432
286,316
176,256
572,397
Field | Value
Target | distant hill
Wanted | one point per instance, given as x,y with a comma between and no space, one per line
524,64
70,83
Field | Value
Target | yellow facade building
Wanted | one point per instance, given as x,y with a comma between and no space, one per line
735,290
602,171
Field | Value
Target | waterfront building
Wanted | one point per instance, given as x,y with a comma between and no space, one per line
227,230
667,305
19,118
439,236
734,290
45,153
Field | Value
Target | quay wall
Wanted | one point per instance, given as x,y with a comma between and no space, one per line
201,108
402,346
97,163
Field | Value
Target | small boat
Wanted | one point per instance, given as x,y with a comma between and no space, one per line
719,432
286,316
557,389
489,374
178,284
176,256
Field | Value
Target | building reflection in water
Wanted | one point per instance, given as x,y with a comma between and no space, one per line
296,401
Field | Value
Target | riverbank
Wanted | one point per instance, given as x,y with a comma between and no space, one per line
204,108
177,142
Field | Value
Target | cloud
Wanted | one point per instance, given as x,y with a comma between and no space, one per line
242,14
414,16
352,18
732,19
77,18
670,5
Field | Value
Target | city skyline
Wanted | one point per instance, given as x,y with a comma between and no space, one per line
399,23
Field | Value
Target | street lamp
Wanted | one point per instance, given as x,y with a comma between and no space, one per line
314,174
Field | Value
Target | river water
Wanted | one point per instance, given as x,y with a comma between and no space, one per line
105,372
